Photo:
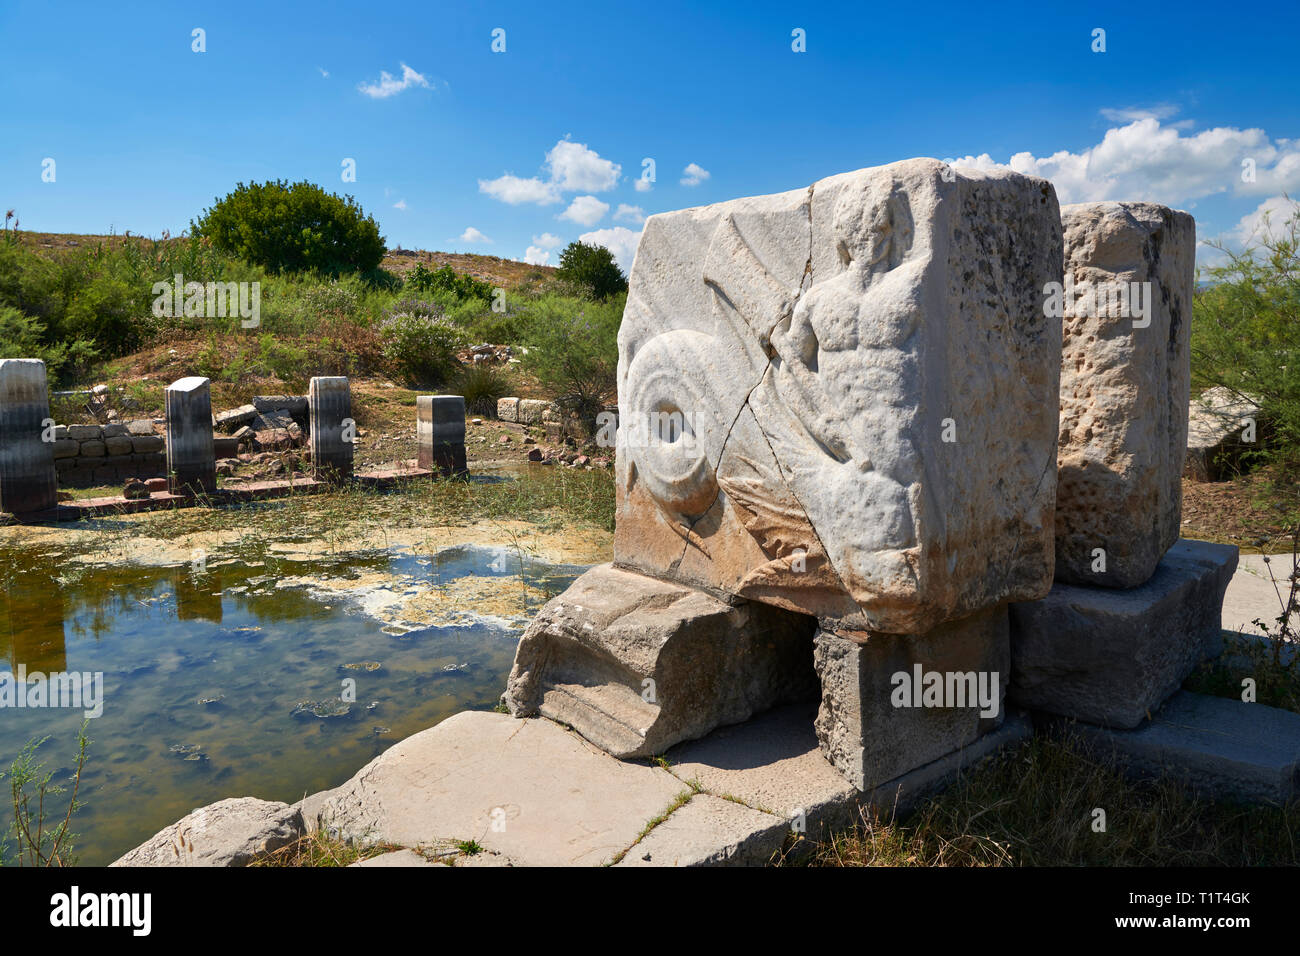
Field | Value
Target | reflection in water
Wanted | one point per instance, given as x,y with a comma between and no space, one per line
222,680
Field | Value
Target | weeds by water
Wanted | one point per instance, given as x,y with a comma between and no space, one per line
42,837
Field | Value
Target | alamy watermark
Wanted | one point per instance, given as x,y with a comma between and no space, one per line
211,300
950,689
1114,300
82,690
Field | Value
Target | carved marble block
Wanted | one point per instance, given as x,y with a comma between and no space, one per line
842,400
1125,375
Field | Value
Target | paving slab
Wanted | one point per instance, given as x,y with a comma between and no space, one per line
528,789
1222,748
710,831
397,858
1251,592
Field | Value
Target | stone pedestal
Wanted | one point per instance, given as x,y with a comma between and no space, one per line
191,462
329,403
1112,657
28,480
1125,373
636,665
894,702
440,431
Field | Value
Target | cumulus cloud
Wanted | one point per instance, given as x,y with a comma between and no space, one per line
547,240
389,85
619,240
1145,160
694,174
400,204
515,190
1268,220
633,214
570,167
575,167
585,210
1128,114
473,235
644,185
535,256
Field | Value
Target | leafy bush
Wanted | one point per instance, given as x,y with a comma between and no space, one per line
420,343
293,228
22,336
1246,331
449,281
593,269
573,352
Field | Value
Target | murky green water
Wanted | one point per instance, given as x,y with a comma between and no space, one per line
223,682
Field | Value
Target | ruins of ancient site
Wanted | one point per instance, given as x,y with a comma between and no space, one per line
866,505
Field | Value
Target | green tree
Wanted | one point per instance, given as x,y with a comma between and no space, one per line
293,228
592,268
573,352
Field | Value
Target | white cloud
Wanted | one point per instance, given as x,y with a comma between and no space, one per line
694,174
633,214
400,204
1128,114
644,185
324,72
570,167
1268,219
1147,161
388,85
548,240
473,235
515,190
537,257
585,210
575,167
619,240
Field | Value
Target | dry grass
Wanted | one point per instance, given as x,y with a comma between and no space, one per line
1035,806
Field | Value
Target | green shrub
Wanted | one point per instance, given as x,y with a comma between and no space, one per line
420,343
573,352
293,228
482,385
449,281
1246,331
22,336
592,268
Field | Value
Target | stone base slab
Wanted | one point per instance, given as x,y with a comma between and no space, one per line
1112,657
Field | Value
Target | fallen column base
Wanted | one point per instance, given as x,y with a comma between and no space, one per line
635,664
1112,657
894,702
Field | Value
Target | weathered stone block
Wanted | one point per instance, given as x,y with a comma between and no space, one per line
508,409
1125,371
1110,656
234,418
842,399
66,448
440,433
636,665
86,432
114,430
294,404
28,481
141,426
190,458
117,445
892,702
1220,748
147,444
92,449
233,832
1221,426
531,411
332,427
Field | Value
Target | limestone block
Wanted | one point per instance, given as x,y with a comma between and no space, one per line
440,433
190,457
892,703
636,664
842,399
85,432
231,832
234,418
140,426
508,409
28,480
66,448
1125,372
332,427
146,444
295,405
531,411
118,445
1221,425
1110,656
114,430
92,449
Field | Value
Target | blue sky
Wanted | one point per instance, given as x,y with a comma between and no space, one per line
544,143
